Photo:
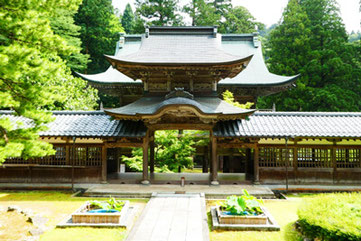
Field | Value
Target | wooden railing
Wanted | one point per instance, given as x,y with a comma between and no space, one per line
64,156
308,157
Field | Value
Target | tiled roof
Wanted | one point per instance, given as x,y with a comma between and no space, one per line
256,73
152,105
86,124
293,124
180,45
259,125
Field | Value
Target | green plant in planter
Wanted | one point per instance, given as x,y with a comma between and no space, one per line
242,205
111,204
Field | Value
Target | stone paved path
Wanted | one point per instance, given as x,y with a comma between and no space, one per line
172,217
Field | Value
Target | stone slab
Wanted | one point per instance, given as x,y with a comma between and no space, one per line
172,217
210,192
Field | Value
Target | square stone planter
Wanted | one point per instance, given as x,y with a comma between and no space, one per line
237,219
245,223
81,216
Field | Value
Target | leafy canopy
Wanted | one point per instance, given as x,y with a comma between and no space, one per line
100,29
33,76
128,19
159,12
312,40
173,151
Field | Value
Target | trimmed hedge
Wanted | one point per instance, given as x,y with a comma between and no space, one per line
331,217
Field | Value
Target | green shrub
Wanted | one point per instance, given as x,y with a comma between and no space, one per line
331,217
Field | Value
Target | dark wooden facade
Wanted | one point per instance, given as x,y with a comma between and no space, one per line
338,162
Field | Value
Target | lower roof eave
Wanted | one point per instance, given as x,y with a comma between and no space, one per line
290,137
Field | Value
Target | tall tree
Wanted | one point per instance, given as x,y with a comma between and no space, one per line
128,19
159,12
62,23
100,29
222,6
239,20
33,77
320,52
289,46
202,13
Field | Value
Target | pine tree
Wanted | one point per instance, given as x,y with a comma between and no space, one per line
312,40
159,12
99,31
62,23
33,78
128,20
202,13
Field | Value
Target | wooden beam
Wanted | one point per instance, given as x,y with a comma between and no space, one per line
104,164
295,160
214,161
67,155
145,180
205,160
334,162
123,144
177,126
256,165
151,145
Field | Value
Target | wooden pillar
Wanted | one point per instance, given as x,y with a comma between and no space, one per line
205,160
256,165
67,155
151,156
214,161
104,164
246,164
117,161
231,161
145,180
334,162
295,160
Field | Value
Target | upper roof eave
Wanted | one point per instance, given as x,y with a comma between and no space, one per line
290,80
126,62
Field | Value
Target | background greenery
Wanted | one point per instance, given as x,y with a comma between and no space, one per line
42,44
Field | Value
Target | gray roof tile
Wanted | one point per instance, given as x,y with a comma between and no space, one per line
85,124
293,124
152,104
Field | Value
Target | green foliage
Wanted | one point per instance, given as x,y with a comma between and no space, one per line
173,151
239,20
33,78
221,13
110,204
331,217
135,162
159,12
62,23
354,36
229,98
128,19
100,29
242,205
202,13
311,40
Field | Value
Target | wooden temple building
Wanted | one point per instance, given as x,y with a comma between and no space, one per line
172,78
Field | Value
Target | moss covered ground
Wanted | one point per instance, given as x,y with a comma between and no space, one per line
56,206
